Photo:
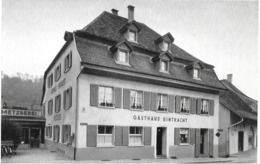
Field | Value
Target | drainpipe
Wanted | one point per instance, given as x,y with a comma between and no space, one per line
228,134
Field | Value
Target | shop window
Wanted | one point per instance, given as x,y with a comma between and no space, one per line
66,131
136,136
185,105
184,135
58,73
50,80
56,133
136,100
67,102
57,103
105,96
122,56
50,107
68,62
162,102
132,36
164,66
105,136
204,107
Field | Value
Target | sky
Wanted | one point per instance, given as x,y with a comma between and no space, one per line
220,33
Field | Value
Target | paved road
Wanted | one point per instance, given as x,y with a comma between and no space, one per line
45,156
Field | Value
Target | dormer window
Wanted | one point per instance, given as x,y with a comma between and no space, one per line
196,73
132,36
194,69
164,42
122,57
167,46
164,66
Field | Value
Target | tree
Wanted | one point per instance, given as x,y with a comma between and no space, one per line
10,131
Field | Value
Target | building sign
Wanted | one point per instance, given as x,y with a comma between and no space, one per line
60,84
24,113
157,118
57,117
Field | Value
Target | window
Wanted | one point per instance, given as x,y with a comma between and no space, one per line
136,136
185,105
132,36
105,96
184,135
50,106
167,46
57,103
136,100
204,106
56,133
66,134
105,136
48,131
196,73
68,62
250,140
164,66
50,80
58,73
67,102
162,102
122,57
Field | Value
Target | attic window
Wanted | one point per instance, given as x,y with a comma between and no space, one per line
132,36
122,57
167,46
196,73
164,66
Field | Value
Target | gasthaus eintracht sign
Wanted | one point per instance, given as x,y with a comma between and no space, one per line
158,118
24,113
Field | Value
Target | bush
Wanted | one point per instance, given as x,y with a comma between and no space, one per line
10,131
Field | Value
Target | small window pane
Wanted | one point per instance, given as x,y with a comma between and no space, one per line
101,129
184,134
185,105
164,66
136,99
109,129
132,36
122,56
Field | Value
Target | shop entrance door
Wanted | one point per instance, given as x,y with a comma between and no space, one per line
161,142
35,138
204,142
240,141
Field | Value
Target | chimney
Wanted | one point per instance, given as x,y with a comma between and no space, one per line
114,11
130,13
229,78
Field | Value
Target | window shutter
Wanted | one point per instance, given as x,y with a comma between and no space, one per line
119,136
178,104
147,96
64,99
93,95
171,103
198,106
176,136
153,101
147,136
125,135
118,97
197,143
63,133
192,136
126,99
51,131
70,99
193,105
211,139
58,140
70,59
211,107
91,135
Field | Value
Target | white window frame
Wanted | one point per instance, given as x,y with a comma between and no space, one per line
112,144
135,39
136,135
159,101
50,80
185,102
188,136
198,73
204,103
58,72
105,97
136,97
69,98
57,110
126,57
50,111
67,62
166,64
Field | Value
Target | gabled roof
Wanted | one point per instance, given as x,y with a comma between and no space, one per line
235,103
165,53
169,35
124,28
194,64
125,42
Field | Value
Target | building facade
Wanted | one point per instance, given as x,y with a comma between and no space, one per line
119,90
239,128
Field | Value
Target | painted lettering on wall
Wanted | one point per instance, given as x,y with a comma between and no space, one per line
60,84
157,118
57,117
24,113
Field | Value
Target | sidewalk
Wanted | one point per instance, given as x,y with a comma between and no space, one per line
45,156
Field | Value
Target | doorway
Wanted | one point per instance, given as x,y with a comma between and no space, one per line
35,138
240,141
161,142
204,142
